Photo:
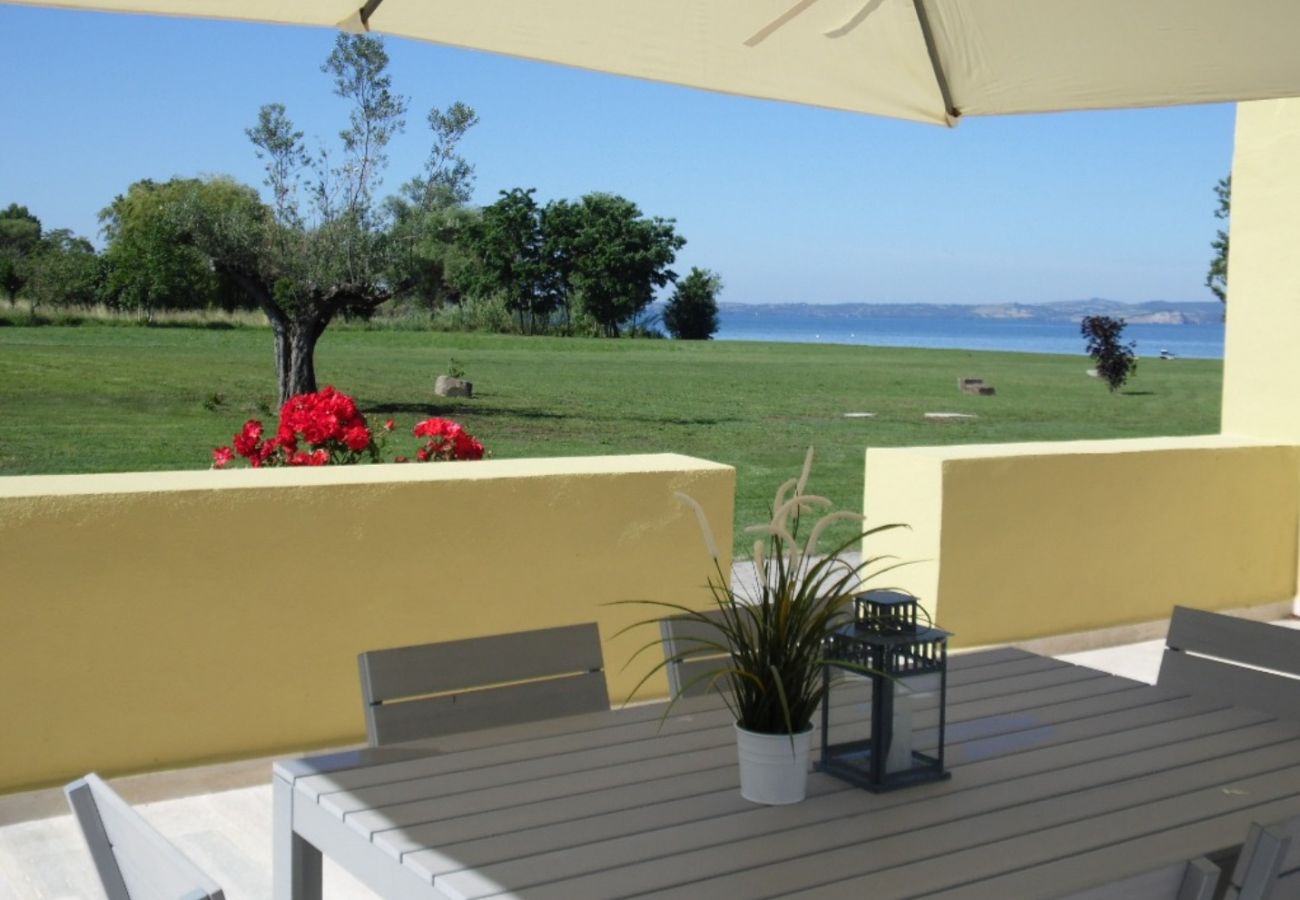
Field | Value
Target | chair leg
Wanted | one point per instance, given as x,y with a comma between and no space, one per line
82,800
1200,880
1256,871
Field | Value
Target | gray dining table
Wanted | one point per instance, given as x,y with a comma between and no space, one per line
1063,778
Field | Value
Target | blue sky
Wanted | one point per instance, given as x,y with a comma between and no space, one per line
787,203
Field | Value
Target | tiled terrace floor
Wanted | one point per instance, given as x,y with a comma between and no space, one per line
221,815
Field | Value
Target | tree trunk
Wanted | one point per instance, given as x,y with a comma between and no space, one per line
281,325
283,355
300,377
296,333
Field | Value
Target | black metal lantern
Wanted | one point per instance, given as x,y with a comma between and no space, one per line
907,659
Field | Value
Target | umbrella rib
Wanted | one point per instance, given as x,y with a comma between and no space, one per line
924,20
762,34
369,10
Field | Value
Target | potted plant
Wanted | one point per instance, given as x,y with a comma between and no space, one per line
768,636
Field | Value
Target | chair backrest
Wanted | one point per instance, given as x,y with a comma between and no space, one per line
688,635
430,690
134,861
1268,867
1194,880
1240,648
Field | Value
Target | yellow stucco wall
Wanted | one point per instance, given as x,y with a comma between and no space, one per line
1261,360
1046,539
154,620
903,486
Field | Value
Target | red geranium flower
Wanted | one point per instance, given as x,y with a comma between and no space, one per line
247,439
446,440
357,437
326,427
466,447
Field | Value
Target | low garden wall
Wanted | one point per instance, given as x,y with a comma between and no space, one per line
1020,541
153,620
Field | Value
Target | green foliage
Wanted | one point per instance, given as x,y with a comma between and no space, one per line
149,265
430,229
618,257
64,270
448,178
483,315
507,244
228,222
19,230
562,225
20,235
692,311
1216,279
283,154
359,66
12,277
591,264
430,253
1115,361
455,369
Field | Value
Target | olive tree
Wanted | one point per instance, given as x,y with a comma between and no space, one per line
305,262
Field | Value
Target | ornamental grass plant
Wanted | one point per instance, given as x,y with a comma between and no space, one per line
769,637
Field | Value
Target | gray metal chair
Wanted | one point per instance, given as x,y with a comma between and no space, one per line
1239,649
429,690
133,860
1268,867
1194,880
684,635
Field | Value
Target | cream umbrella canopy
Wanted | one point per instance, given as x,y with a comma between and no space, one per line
925,60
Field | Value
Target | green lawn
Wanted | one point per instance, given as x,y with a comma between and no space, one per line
103,399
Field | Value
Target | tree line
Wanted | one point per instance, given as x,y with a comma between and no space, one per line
325,243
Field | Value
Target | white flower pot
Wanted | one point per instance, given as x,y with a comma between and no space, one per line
772,770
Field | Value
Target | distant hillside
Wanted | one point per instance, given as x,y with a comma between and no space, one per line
1154,312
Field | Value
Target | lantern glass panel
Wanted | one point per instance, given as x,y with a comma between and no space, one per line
884,728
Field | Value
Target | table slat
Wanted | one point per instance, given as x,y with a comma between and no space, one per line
777,862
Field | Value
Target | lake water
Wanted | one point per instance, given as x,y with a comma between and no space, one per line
1015,335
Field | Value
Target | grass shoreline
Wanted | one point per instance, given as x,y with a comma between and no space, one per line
98,398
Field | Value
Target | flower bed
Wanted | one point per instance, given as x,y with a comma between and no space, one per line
326,428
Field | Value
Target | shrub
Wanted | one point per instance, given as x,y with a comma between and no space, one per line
1115,361
692,312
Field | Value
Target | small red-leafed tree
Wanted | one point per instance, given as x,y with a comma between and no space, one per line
1115,360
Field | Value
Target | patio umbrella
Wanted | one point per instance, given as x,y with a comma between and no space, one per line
925,60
